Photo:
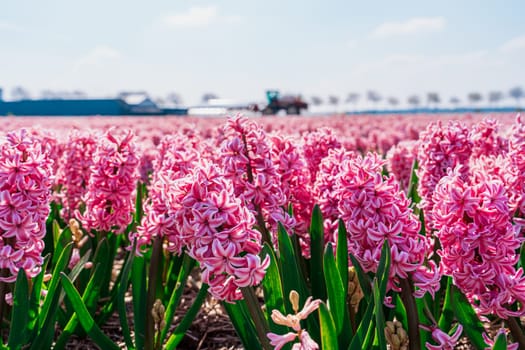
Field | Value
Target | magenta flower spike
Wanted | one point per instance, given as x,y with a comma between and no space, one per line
247,162
375,210
74,170
25,195
109,199
215,227
479,242
441,147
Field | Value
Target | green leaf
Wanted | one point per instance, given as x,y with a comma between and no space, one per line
366,330
139,210
521,262
379,290
290,272
123,285
363,337
19,315
84,317
188,318
76,271
316,254
273,291
36,297
328,329
107,254
172,273
400,311
73,322
138,289
383,269
46,319
243,324
342,253
500,342
364,280
467,317
61,238
380,317
447,313
337,297
187,265
412,185
101,259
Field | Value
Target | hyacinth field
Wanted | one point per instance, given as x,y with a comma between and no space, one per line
336,232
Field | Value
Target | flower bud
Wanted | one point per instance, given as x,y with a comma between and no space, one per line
75,230
158,314
294,299
396,336
355,293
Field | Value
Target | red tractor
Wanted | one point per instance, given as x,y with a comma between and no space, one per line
290,104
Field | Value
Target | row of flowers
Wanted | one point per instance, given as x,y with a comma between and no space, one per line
430,223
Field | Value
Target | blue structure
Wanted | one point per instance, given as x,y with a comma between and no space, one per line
84,107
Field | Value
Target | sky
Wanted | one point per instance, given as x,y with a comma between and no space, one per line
240,48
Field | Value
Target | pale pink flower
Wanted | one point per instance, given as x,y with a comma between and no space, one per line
445,341
279,341
305,342
294,321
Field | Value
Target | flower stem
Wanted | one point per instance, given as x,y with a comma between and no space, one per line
412,315
154,270
516,331
261,326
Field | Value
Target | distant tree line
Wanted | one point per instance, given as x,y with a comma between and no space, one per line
430,100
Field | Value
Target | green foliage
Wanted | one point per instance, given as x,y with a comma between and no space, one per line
466,316
328,329
500,342
79,300
316,254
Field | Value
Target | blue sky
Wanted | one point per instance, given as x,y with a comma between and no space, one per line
238,49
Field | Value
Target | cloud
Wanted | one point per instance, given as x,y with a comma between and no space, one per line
411,26
514,44
423,62
98,55
196,16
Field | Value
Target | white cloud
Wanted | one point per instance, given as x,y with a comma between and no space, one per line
401,62
514,44
411,26
98,55
197,16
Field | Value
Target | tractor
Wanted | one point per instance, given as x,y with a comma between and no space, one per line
290,104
